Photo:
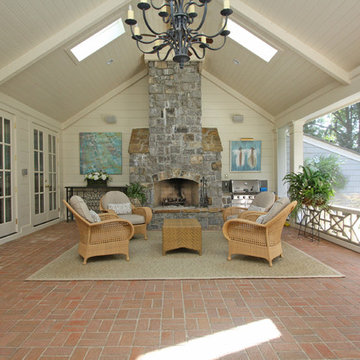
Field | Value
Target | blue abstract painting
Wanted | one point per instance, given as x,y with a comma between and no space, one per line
101,151
245,155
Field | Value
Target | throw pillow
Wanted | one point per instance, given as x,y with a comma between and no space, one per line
260,219
78,204
256,208
95,216
124,208
279,205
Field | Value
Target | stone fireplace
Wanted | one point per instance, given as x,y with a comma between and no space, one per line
172,156
176,192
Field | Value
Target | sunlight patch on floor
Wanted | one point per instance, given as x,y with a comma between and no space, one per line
211,347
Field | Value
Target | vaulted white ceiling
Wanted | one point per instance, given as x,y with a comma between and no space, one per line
318,42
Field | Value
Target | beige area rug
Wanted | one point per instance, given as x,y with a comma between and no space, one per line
147,262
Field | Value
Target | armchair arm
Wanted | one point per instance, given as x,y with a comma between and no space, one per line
244,230
145,211
111,230
108,215
232,210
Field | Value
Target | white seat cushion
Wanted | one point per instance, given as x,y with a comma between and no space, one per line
133,218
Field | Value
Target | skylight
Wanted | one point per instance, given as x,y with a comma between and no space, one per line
98,40
250,41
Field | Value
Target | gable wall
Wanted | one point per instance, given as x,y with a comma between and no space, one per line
131,111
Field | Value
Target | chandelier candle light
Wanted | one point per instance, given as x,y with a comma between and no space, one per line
180,37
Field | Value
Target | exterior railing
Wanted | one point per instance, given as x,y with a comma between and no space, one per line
339,222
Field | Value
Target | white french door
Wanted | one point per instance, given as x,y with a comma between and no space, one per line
45,176
7,211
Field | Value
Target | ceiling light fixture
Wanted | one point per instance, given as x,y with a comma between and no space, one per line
180,37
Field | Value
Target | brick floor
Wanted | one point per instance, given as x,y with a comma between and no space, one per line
318,318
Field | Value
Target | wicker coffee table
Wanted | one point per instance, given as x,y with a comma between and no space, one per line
181,233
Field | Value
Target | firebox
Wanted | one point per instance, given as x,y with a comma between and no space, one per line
176,192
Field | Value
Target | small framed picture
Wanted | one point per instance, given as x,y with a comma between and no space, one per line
245,155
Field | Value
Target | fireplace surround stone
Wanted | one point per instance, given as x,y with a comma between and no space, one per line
176,146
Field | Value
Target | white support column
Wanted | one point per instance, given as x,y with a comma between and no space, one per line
281,161
296,145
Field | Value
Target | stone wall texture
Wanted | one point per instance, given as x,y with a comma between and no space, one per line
176,143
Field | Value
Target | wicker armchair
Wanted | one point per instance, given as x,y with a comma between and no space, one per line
109,236
264,200
140,217
247,237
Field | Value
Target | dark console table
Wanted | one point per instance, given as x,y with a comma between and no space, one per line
91,195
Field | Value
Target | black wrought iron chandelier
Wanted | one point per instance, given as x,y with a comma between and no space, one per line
180,37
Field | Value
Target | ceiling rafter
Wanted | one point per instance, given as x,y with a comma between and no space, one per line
60,38
292,42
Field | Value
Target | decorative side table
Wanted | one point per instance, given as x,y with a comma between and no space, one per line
181,233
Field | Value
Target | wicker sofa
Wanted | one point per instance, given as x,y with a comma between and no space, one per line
111,235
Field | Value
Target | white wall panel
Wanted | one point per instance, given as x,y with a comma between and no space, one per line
217,111
131,109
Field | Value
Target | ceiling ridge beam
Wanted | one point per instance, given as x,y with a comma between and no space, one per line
304,50
60,38
238,96
119,89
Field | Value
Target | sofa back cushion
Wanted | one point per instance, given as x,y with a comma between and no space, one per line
114,197
279,205
264,200
79,205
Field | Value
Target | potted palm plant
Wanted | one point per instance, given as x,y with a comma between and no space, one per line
136,193
315,185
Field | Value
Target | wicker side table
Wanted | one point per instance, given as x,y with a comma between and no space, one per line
181,233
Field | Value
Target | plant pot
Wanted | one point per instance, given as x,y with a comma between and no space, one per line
96,183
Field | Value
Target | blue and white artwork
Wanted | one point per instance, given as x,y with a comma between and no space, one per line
245,155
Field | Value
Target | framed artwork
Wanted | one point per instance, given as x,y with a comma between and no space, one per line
245,155
100,151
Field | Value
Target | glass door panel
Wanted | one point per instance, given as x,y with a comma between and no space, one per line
7,218
45,176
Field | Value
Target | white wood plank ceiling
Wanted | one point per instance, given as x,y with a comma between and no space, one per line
318,42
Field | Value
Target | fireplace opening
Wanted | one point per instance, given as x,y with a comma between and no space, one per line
176,192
